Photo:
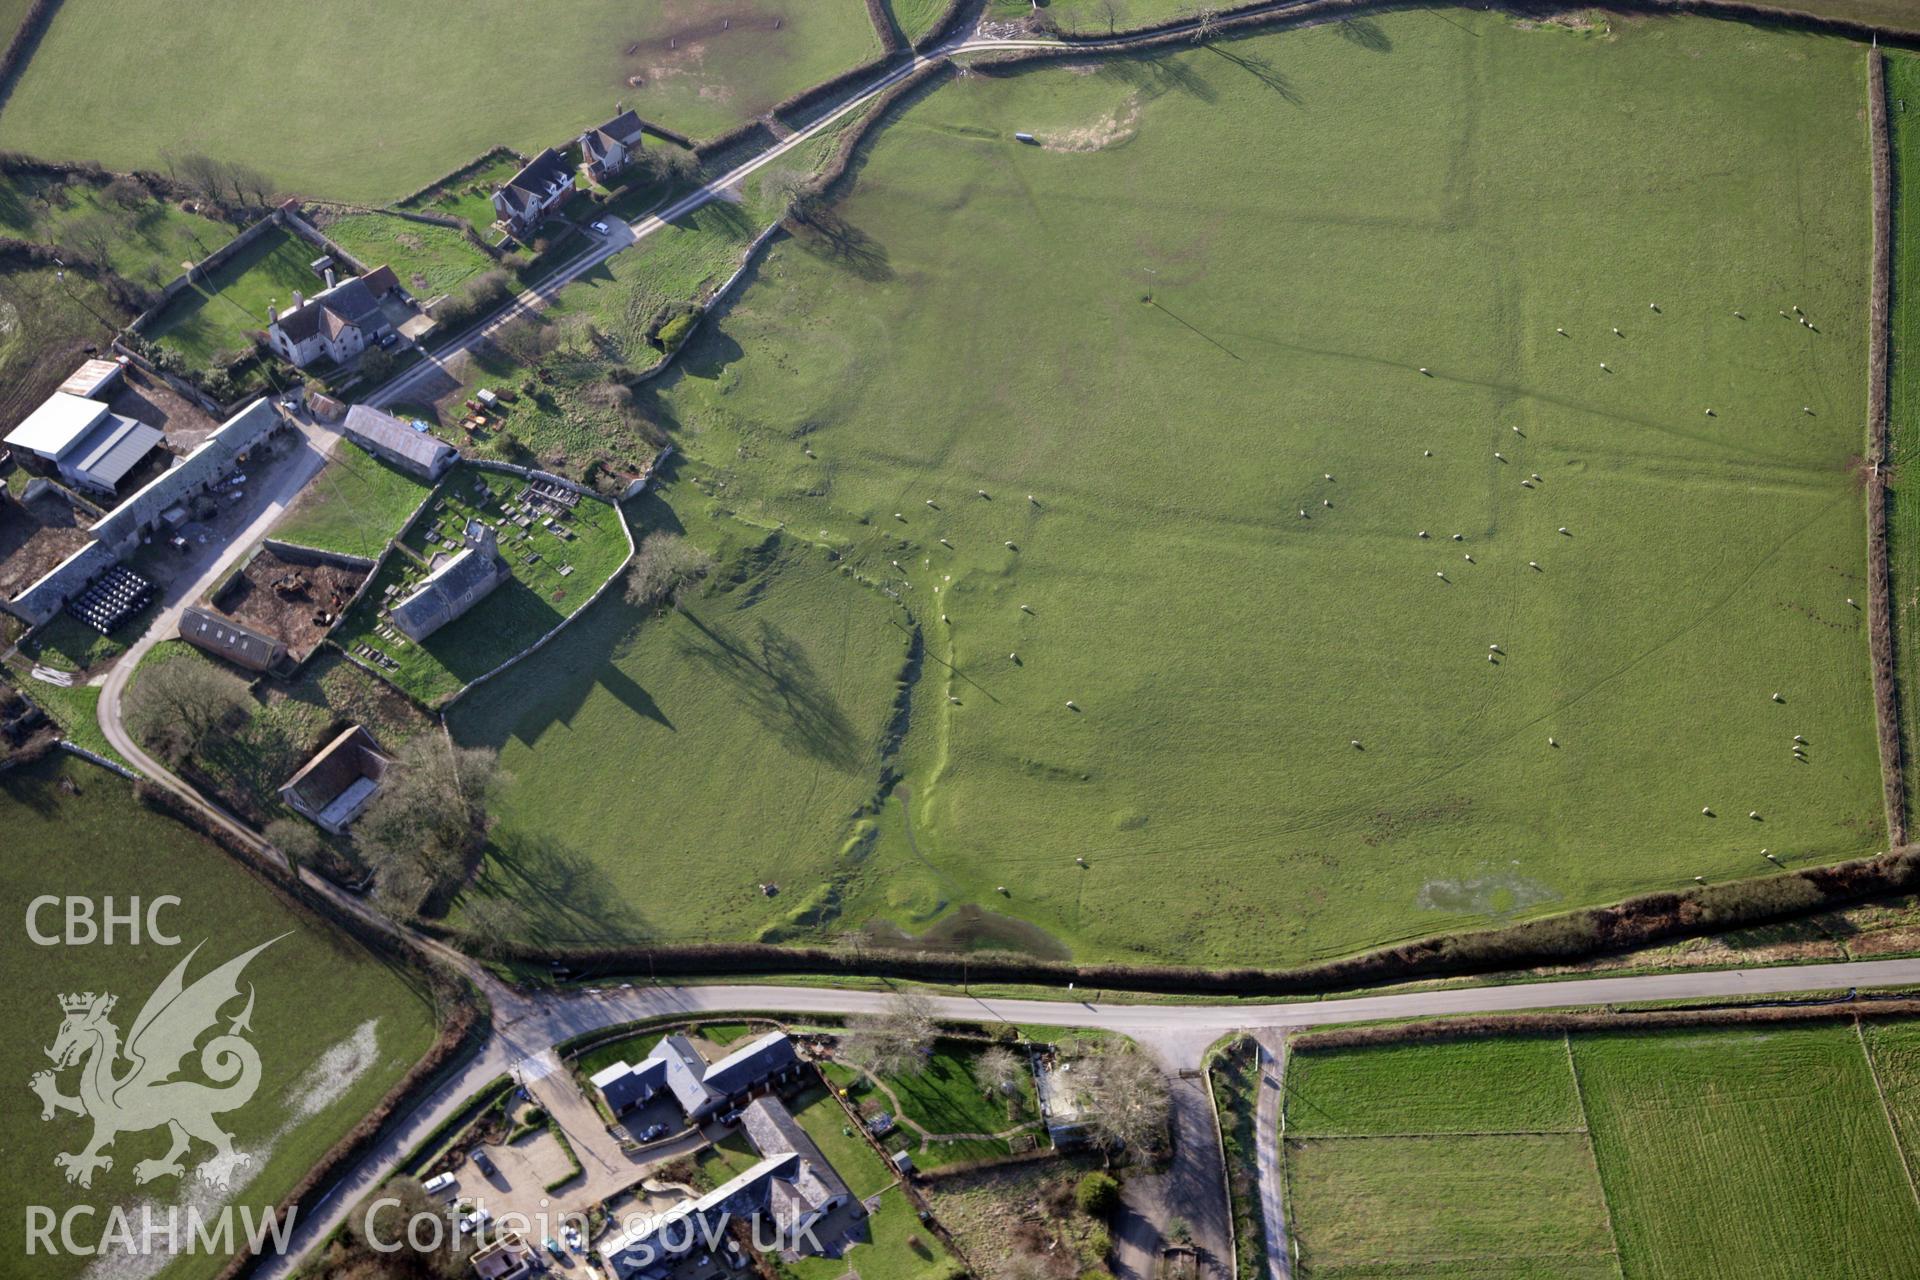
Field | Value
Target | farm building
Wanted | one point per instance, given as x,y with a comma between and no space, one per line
337,323
225,638
385,436
94,379
92,447
530,195
337,785
791,1188
626,1085
700,1088
214,460
457,583
611,147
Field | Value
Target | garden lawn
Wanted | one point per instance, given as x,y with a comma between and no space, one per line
655,760
329,1051
468,194
696,66
517,613
216,315
149,242
356,505
430,260
943,1099
1748,1152
1293,725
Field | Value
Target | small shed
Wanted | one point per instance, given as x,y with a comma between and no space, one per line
222,637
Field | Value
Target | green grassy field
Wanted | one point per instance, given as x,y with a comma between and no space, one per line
214,317
148,241
356,505
1222,652
1091,17
46,324
535,599
702,66
429,260
615,812
327,1054
1762,1151
1751,1153
1903,403
916,17
1467,1086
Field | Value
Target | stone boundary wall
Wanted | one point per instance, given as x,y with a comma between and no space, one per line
612,579
474,165
94,757
299,225
204,402
206,266
297,553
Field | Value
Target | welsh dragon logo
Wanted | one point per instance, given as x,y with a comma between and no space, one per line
143,1094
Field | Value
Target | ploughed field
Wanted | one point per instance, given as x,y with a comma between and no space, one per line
1076,405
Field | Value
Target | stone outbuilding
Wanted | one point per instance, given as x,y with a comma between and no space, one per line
338,784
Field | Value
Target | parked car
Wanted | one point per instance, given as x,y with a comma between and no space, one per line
551,1245
438,1183
600,227
484,1161
653,1132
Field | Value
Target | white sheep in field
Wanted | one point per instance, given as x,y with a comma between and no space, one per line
1423,535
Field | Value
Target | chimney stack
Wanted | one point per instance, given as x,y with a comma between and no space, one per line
329,277
273,311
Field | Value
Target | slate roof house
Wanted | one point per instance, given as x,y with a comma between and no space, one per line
531,194
701,1088
225,638
385,436
338,784
457,583
337,323
790,1189
610,147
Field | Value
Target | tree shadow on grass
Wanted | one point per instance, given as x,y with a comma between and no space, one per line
562,895
1157,74
1262,70
774,678
1366,33
824,234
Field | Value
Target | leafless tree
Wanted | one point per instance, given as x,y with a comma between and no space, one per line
668,161
527,339
126,191
1110,10
203,173
998,1070
249,185
427,818
896,1041
1126,1097
298,840
665,565
1205,19
93,237
175,707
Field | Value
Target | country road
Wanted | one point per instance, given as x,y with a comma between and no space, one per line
527,1025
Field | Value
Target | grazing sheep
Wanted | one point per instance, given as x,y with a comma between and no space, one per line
1426,453
1561,332
930,503
1707,810
981,492
1798,738
1552,742
1011,547
1653,306
1709,413
1329,475
1603,367
1617,333
1807,409
1499,455
1851,604
1495,661
1035,501
1534,565
1494,648
1356,743
1778,698
1326,502
1754,814
1423,535
1303,513
955,701
1013,657
1424,371
1026,608
1739,316
1439,575
1699,879
1526,484
1536,477
1468,559
1563,529
1072,705
945,543
897,516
